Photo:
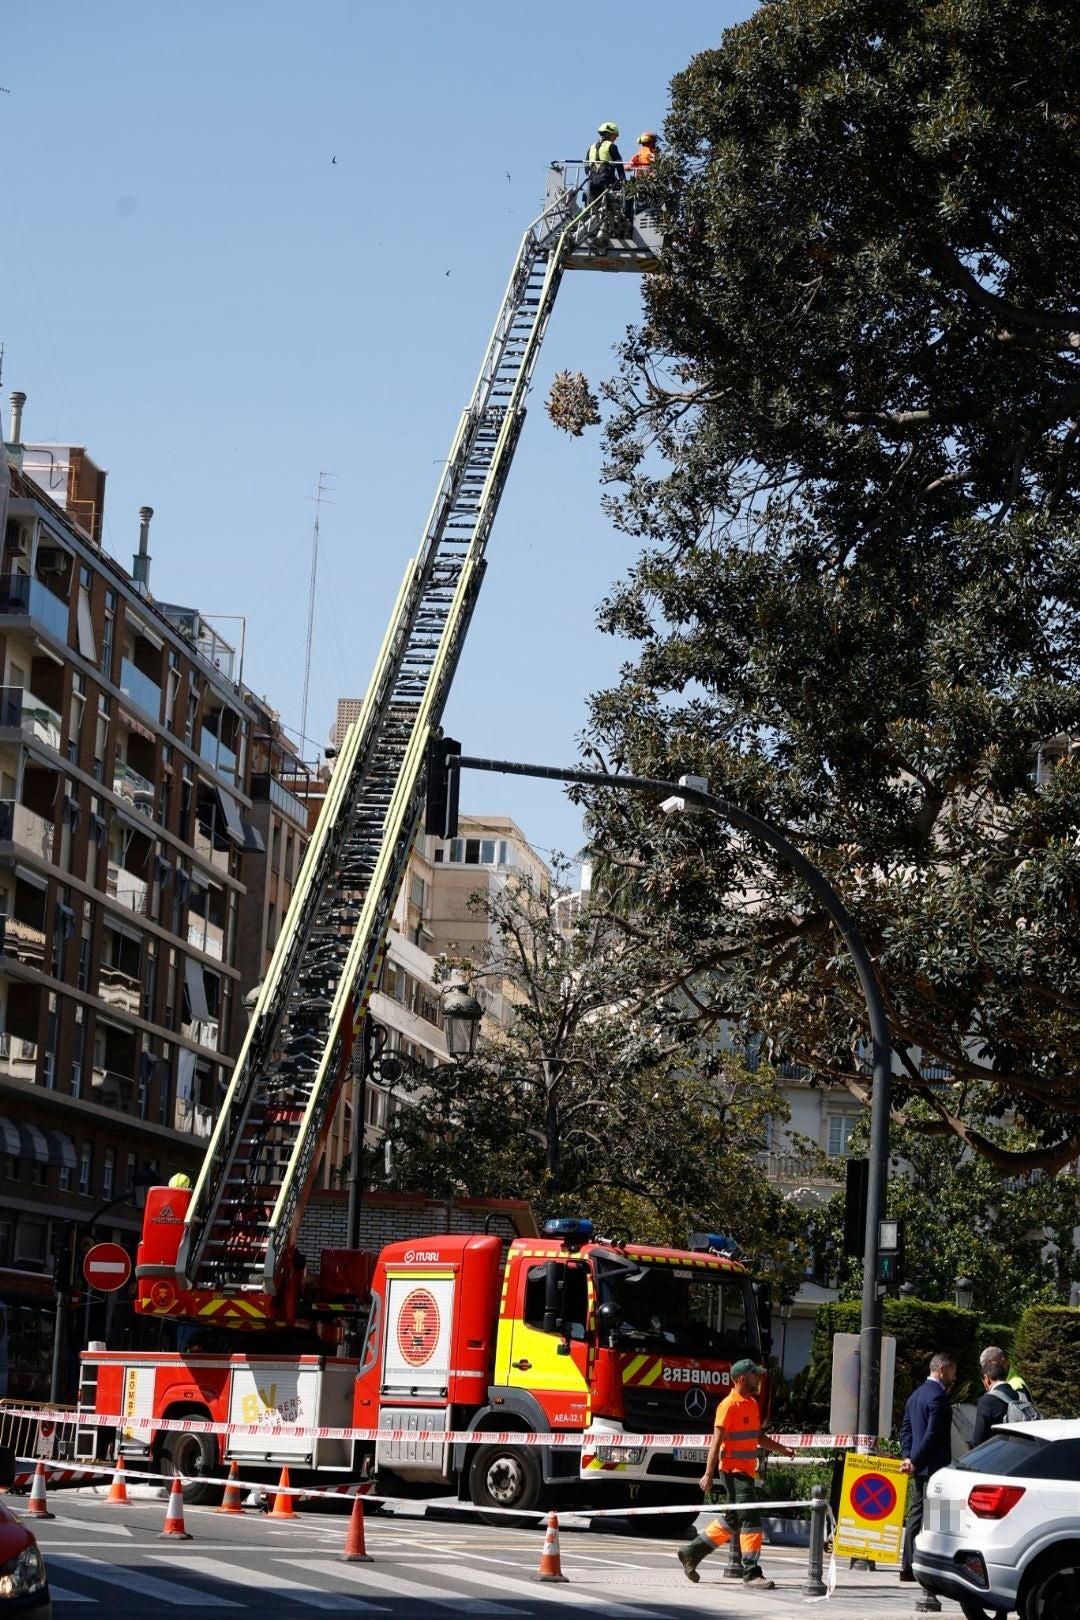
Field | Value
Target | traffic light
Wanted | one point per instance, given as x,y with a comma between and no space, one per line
890,1260
62,1270
858,1178
441,813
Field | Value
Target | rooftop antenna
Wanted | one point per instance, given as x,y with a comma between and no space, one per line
320,494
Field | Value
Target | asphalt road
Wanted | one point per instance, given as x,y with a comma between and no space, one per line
112,1558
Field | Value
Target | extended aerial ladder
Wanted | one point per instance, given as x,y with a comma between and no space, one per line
235,1261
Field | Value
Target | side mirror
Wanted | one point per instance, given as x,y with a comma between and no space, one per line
553,1296
609,1317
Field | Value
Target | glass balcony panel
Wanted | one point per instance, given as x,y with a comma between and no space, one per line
218,858
136,789
215,753
19,594
21,710
130,891
140,689
119,989
26,828
206,936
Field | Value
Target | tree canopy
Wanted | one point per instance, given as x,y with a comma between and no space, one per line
845,436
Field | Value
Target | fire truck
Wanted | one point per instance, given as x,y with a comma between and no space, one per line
566,1334
569,1334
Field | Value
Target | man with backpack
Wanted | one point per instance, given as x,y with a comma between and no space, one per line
1002,1401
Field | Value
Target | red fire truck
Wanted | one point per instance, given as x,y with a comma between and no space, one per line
563,1334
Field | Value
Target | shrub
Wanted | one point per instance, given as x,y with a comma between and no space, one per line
1046,1349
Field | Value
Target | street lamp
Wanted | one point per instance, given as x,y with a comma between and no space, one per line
692,792
461,1021
963,1293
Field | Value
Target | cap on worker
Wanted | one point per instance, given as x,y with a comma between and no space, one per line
646,138
608,129
745,1366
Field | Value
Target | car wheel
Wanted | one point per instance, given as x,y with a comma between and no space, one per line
506,1477
192,1457
972,1610
1054,1593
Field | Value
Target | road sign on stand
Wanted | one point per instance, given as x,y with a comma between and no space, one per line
870,1523
107,1266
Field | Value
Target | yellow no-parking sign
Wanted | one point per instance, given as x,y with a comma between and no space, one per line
873,1500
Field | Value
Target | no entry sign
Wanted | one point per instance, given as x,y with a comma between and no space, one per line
107,1266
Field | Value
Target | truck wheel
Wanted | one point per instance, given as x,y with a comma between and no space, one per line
190,1455
506,1477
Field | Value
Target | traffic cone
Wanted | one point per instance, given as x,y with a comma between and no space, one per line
174,1515
283,1502
233,1500
550,1562
37,1507
118,1496
355,1551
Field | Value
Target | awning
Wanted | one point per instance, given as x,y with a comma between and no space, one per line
196,989
137,726
141,629
61,1149
253,840
9,1139
33,1143
233,825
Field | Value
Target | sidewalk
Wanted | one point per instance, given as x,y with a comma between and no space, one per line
864,1593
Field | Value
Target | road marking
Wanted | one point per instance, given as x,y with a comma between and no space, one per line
397,1586
61,1594
555,1594
315,1597
148,1585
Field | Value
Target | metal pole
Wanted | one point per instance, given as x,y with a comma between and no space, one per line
815,1586
877,1180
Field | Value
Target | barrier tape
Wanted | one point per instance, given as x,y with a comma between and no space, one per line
138,1476
592,1438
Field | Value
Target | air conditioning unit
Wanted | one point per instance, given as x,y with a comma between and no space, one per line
52,560
18,541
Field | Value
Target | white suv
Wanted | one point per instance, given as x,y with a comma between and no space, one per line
1001,1528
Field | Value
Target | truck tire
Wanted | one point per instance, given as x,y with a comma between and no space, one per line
506,1476
190,1455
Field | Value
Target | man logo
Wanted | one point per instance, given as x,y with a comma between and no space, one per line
696,1403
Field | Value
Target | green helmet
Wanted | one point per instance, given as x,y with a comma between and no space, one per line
608,129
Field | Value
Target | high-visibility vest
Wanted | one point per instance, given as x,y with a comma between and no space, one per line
600,152
740,1418
642,159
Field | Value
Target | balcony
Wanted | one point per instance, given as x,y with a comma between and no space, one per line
206,936
204,1032
21,711
204,846
119,989
805,1168
26,829
138,792
193,1118
215,753
22,942
143,692
128,890
267,788
111,1088
28,598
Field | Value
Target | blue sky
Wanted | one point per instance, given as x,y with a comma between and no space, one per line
196,293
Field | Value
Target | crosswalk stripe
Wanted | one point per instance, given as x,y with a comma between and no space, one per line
236,1575
611,1610
61,1594
399,1586
149,1586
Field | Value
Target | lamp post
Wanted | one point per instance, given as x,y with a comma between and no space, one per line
371,1061
787,1300
963,1293
693,791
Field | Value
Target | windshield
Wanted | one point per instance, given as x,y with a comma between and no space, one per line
683,1312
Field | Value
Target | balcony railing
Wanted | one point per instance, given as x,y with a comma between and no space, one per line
206,936
119,989
802,1167
22,942
112,1088
140,689
204,846
26,829
265,787
138,792
204,1032
19,594
215,753
21,711
130,891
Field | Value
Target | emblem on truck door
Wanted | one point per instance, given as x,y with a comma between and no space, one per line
418,1327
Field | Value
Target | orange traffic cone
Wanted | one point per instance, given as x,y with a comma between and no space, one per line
355,1551
118,1496
283,1503
174,1514
550,1562
233,1500
37,1507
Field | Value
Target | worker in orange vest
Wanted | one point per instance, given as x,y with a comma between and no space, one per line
642,158
737,1437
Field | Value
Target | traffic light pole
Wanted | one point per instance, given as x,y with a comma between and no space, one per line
877,1180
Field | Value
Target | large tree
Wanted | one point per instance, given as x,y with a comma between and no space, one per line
596,1097
846,436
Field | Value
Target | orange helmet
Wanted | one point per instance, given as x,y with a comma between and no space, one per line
646,138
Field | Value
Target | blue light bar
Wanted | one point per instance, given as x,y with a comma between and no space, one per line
571,1228
714,1243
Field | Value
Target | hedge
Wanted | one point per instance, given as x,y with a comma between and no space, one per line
1046,1350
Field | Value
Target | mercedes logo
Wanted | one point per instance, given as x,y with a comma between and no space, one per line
696,1403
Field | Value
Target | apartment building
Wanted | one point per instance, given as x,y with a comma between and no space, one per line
129,842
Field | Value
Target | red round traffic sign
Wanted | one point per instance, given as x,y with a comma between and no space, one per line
107,1266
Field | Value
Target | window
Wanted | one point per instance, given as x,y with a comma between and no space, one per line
107,638
77,1049
108,1173
840,1129
569,1299
418,892
86,1166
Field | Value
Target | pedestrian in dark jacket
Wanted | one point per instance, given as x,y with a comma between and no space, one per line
999,1392
926,1446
